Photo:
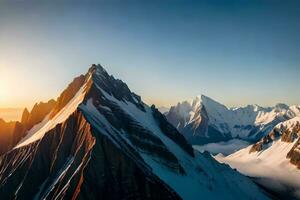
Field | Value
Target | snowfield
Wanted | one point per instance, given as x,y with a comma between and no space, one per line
270,166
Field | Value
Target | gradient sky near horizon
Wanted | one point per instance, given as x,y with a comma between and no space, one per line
237,52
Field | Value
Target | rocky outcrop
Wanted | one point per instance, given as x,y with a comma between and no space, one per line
294,154
170,131
283,132
289,135
12,132
25,116
68,94
115,87
266,140
19,132
142,138
37,114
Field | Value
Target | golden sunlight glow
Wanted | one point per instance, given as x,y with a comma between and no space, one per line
8,87
3,90
17,86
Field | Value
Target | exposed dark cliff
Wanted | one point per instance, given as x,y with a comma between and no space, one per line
75,161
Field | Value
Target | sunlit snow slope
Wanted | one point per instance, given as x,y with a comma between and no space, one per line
104,142
274,160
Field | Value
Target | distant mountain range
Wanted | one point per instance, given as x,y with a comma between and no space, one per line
99,140
204,120
11,114
264,142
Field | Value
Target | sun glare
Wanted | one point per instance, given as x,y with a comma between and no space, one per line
3,87
2,94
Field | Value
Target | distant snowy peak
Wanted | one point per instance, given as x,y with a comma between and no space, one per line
250,123
188,109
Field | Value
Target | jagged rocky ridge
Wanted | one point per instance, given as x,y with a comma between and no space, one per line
205,121
274,161
103,142
12,132
288,132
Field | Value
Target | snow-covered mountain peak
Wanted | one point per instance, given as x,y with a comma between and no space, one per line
103,139
250,123
97,69
200,100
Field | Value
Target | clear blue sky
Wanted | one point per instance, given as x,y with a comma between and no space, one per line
233,51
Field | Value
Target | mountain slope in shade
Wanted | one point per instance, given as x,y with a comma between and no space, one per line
6,136
12,132
105,143
274,161
204,120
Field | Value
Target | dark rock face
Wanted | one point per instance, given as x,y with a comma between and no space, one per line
121,177
142,138
50,163
114,87
171,132
75,161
